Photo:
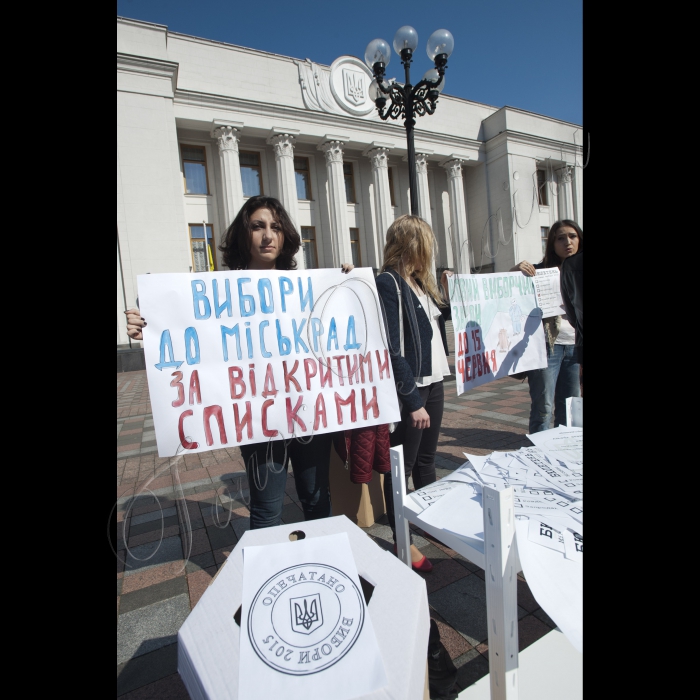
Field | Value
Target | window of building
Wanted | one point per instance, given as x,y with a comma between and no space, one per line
251,173
349,183
303,178
391,187
194,165
308,238
542,188
203,255
355,247
544,233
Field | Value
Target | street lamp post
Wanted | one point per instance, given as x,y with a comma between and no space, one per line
408,101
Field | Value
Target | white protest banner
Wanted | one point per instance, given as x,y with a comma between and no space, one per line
548,292
498,327
240,357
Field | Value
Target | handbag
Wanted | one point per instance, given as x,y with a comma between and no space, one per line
392,426
398,292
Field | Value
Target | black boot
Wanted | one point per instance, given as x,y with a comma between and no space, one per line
442,673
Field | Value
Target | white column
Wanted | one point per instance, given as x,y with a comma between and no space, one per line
338,203
566,195
286,182
422,188
227,138
458,215
378,157
578,195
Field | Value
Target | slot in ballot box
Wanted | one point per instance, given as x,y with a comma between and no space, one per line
209,640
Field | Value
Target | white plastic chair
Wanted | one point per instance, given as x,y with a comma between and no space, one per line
557,666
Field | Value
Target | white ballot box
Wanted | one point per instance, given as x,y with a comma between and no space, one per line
209,641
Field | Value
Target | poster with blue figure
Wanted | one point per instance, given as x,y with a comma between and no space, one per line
240,357
498,327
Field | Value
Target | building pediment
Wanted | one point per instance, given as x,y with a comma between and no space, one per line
341,89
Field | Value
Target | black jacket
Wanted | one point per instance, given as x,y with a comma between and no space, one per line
572,294
417,360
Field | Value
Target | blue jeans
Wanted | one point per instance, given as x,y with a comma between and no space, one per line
266,466
551,387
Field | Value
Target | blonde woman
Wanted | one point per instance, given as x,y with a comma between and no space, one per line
411,301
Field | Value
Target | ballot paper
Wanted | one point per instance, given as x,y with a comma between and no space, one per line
545,535
545,486
477,461
513,474
555,581
548,292
534,457
429,495
553,475
565,443
465,473
573,545
305,628
530,505
460,512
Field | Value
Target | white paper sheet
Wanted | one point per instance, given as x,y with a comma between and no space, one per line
545,535
305,629
466,473
573,545
555,581
459,512
548,292
430,495
477,461
566,443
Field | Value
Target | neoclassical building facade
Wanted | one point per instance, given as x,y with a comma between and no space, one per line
202,125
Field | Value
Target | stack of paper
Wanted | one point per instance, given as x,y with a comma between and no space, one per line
547,482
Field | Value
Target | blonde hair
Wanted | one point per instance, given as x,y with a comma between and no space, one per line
410,240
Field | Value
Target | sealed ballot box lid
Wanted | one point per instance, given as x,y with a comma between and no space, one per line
209,642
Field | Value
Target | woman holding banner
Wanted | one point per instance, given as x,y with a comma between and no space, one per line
263,237
411,301
551,386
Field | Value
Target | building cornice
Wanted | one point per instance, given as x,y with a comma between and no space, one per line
145,65
519,110
141,23
521,138
442,144
258,52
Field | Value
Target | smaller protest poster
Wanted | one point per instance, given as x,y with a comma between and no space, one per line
548,292
305,627
498,327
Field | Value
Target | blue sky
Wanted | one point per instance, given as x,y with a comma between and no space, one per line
522,53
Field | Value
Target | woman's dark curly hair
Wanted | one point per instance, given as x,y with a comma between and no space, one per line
236,244
551,259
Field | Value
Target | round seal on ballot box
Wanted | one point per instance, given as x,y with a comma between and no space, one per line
306,618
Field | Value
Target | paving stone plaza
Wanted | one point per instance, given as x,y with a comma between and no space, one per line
157,588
